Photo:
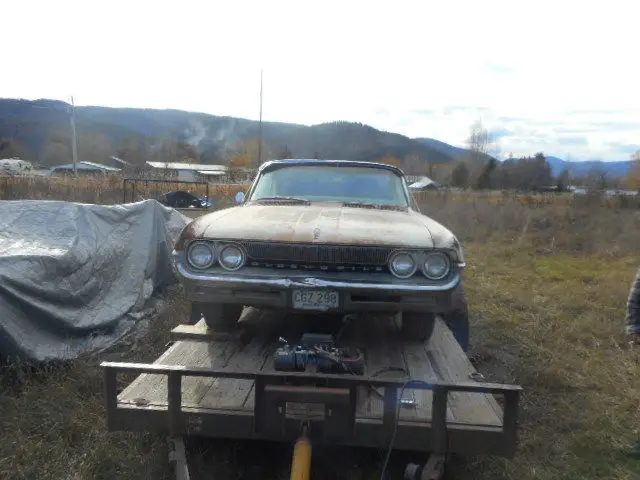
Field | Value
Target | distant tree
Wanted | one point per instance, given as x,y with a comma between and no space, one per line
172,150
541,172
479,143
245,158
247,152
94,147
188,153
391,160
484,180
135,149
632,179
525,173
563,180
414,165
12,148
241,160
596,180
285,153
55,153
460,176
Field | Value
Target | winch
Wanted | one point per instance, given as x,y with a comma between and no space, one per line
320,351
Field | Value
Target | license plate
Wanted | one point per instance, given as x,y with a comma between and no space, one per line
315,299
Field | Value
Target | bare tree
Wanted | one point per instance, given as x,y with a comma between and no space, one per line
597,180
478,142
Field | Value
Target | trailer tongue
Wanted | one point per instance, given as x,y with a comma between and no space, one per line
367,389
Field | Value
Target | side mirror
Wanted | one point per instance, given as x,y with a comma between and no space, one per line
239,197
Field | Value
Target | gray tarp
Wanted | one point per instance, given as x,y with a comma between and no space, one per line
72,275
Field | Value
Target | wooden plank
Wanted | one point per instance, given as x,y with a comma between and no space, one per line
420,368
153,391
448,358
200,332
137,388
384,358
232,393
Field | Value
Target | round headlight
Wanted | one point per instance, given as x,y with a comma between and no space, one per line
402,265
201,255
436,266
231,257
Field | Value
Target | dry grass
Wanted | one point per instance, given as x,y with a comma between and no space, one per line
547,287
108,189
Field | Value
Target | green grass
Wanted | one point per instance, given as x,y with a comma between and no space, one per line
554,324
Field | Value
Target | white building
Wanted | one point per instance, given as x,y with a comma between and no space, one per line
189,172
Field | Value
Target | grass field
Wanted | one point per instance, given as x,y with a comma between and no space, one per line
547,286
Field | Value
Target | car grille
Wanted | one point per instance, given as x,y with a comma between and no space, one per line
290,255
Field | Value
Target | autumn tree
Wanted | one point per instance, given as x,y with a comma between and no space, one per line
391,160
247,152
245,157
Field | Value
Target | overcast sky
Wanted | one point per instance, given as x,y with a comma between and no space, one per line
560,77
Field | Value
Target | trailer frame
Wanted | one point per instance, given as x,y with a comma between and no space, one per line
275,390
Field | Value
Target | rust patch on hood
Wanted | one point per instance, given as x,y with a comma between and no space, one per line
320,223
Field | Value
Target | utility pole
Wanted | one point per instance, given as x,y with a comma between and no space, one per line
260,134
74,147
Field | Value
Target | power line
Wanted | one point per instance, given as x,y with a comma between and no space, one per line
260,134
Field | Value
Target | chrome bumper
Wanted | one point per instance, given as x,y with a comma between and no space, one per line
359,292
289,279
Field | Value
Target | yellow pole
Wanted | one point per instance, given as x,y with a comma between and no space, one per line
301,464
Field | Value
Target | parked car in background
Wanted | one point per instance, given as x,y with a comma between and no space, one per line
183,199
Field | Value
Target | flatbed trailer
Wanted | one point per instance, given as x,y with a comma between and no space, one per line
412,396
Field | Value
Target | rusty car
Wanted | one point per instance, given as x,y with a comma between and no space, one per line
326,236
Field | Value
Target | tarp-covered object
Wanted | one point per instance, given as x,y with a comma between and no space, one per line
72,274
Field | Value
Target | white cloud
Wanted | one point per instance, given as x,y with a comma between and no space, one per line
343,60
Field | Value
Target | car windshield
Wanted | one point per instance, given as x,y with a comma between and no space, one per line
332,184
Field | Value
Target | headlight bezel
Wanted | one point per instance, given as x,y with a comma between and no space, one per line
420,258
243,254
396,254
208,245
425,258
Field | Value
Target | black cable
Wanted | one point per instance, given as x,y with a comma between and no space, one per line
397,421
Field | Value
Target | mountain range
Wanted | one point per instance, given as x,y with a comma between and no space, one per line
41,129
615,169
578,168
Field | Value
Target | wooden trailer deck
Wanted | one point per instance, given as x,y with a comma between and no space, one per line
475,422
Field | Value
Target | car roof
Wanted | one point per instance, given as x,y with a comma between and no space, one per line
275,164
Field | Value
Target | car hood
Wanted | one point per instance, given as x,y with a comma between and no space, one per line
321,223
